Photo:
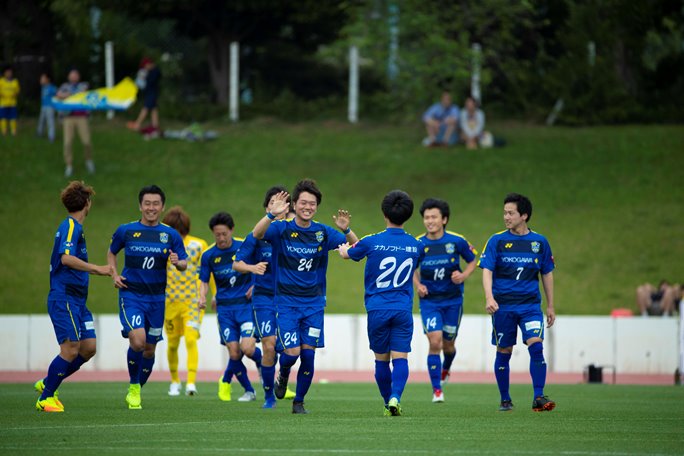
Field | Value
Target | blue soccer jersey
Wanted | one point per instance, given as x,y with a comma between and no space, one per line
231,286
442,258
147,250
301,257
516,262
253,251
393,256
64,281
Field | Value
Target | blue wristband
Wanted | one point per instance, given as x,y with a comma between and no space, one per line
347,231
270,216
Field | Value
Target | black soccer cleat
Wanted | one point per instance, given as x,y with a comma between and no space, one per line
298,408
280,386
543,404
506,406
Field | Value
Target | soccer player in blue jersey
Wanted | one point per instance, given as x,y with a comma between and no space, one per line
440,287
71,319
300,254
511,263
392,257
255,257
148,246
233,307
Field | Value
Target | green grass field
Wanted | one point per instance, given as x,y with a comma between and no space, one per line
609,199
347,419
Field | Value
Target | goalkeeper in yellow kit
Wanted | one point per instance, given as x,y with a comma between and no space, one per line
183,317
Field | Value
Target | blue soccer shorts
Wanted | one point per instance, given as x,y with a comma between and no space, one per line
265,322
136,314
235,322
71,320
505,324
8,112
390,330
300,326
442,318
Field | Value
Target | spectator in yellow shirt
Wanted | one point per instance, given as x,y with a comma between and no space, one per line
183,317
9,91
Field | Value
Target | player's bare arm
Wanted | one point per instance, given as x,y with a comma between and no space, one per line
73,262
420,288
547,282
181,265
491,305
343,249
202,300
279,207
118,279
459,277
244,268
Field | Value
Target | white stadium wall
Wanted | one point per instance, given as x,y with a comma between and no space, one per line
633,345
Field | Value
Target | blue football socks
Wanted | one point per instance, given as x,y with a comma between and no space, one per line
256,356
56,373
75,365
134,362
448,359
240,371
305,373
434,363
268,374
502,373
383,377
537,368
400,373
146,369
286,363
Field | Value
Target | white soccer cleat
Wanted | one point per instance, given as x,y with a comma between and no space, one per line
174,389
190,389
438,396
68,171
90,166
249,396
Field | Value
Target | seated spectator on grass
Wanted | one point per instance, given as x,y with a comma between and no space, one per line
441,123
472,124
662,300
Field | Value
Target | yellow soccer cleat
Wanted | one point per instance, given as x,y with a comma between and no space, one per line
223,390
133,398
394,407
289,394
49,405
39,386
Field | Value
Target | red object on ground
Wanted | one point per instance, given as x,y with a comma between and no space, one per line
621,312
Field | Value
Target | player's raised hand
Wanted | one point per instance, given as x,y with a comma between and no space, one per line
492,306
422,290
173,257
260,268
550,316
342,219
119,281
280,204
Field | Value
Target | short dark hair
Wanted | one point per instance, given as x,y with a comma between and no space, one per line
7,68
522,202
271,192
151,190
47,75
434,203
222,218
76,195
397,206
178,219
309,186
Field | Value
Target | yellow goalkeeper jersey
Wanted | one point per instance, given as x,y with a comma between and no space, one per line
9,90
184,285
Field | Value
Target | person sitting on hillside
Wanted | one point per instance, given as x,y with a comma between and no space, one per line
662,300
441,123
472,124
